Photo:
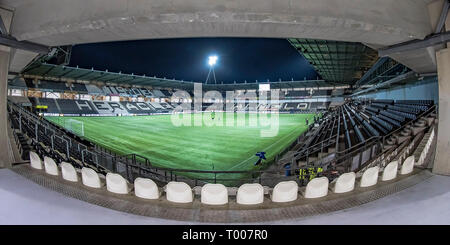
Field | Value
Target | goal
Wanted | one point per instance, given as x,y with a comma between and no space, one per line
74,126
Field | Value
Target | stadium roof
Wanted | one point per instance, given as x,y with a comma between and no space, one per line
61,72
336,61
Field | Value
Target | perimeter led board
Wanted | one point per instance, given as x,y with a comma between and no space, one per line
264,87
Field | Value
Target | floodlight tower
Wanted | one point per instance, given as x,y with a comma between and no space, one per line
212,60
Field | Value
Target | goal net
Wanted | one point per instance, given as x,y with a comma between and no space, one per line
74,126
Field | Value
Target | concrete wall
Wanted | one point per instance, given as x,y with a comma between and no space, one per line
428,89
60,22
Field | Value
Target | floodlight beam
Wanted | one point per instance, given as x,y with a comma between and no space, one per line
212,60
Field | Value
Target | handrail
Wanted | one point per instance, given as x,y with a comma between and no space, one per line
427,112
150,168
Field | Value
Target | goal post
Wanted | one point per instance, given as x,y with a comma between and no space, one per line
74,126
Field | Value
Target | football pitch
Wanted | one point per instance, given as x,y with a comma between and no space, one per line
217,147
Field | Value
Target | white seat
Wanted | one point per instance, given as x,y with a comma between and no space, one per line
146,188
50,166
115,183
408,165
370,177
345,183
214,194
285,191
390,171
179,192
317,187
250,194
90,178
68,172
35,160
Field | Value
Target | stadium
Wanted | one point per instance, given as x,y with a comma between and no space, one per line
298,113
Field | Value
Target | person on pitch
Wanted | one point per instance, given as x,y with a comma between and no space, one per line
262,156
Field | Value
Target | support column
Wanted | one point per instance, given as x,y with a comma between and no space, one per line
5,53
442,158
4,138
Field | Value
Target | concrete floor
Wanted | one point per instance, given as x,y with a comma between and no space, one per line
24,202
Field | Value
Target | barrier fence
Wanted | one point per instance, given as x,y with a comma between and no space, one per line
51,140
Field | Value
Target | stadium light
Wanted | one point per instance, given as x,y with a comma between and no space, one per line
212,60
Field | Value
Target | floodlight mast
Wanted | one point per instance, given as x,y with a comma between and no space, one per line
212,60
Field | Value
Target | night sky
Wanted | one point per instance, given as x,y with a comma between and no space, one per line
186,59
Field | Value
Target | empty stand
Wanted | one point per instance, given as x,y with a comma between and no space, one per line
52,86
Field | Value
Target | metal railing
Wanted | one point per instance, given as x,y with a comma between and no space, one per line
132,166
346,154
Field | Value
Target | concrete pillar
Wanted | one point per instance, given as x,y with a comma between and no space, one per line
442,159
4,138
5,54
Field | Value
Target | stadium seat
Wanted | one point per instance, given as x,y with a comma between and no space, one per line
250,194
90,178
146,188
68,172
408,165
390,171
370,177
50,166
317,187
285,191
179,192
214,194
35,160
345,183
115,183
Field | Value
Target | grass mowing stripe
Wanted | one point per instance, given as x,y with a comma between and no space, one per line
265,149
190,147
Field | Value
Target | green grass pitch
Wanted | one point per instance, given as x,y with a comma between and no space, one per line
193,147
